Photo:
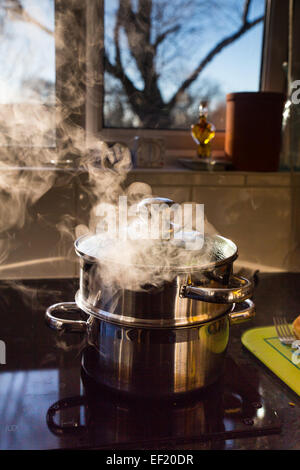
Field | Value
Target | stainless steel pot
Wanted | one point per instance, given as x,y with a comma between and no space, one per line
157,341
153,361
190,295
164,340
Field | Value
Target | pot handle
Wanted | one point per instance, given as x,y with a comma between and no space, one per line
239,290
242,312
67,403
61,323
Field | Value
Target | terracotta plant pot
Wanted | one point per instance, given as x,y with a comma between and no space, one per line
253,130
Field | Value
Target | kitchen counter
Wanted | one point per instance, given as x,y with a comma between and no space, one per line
43,366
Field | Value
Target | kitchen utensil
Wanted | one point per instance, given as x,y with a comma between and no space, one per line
190,294
152,361
284,332
161,338
285,335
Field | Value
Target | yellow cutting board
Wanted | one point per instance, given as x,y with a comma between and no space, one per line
279,358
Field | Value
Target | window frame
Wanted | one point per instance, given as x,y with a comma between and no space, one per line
275,47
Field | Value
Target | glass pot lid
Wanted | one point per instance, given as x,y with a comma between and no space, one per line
158,254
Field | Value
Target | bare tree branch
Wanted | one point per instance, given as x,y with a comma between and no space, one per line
161,37
137,24
117,69
210,56
246,11
15,10
134,95
137,27
117,39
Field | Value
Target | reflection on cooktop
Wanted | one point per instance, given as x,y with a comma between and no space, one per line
101,418
46,402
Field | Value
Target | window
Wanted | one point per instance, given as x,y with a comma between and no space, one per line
160,59
163,57
27,73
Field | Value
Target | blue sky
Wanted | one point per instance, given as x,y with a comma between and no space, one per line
238,66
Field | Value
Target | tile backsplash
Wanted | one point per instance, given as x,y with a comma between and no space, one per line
260,212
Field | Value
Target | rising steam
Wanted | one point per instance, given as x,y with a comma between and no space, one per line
130,256
27,149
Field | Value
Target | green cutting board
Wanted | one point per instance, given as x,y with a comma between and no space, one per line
264,344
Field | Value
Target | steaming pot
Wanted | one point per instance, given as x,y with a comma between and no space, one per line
158,341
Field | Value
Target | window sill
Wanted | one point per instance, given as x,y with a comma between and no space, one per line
176,175
179,176
178,143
